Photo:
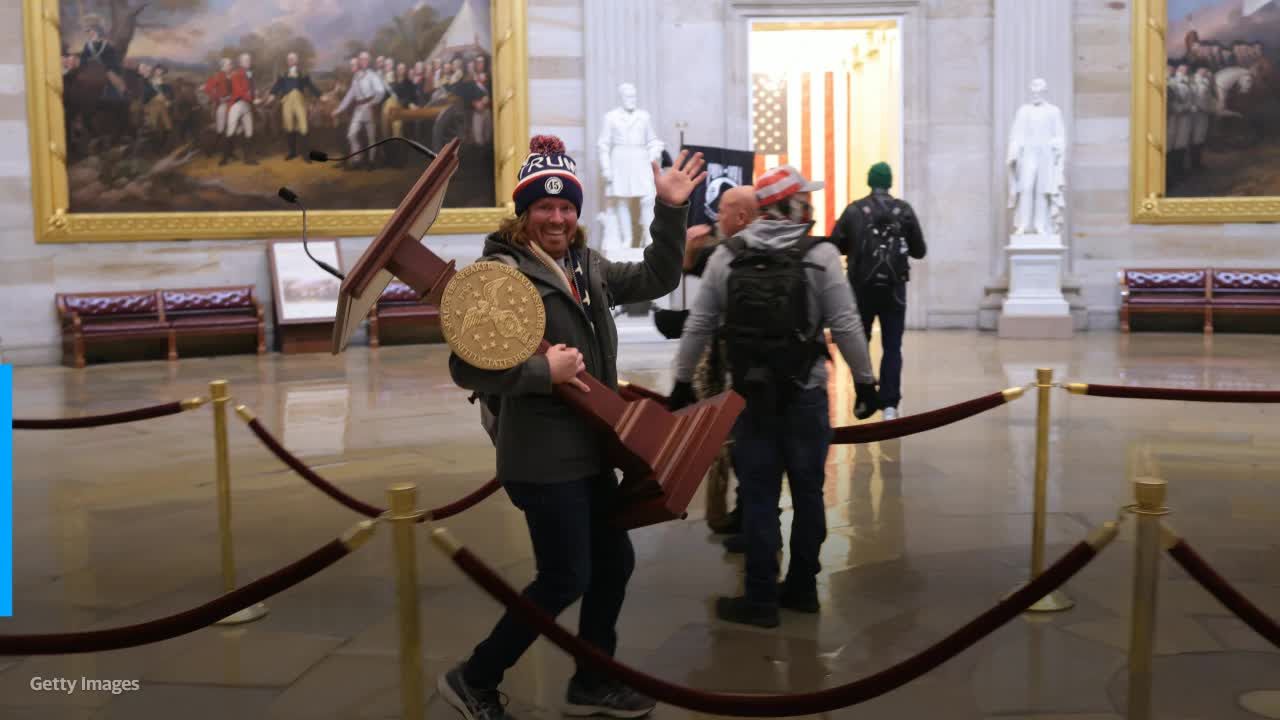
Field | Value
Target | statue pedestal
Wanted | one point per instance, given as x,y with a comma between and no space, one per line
1035,307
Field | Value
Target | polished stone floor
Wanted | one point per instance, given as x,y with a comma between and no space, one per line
118,525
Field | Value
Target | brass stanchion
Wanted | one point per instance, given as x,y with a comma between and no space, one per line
222,461
404,501
1150,495
1056,600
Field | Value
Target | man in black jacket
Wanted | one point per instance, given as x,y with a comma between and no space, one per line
881,294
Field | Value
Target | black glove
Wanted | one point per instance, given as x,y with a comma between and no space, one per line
681,396
866,400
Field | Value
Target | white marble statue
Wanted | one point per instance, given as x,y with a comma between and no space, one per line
627,145
1037,176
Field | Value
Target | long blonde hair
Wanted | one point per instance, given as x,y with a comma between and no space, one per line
516,230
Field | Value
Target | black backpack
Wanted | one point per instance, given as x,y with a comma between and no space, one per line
882,259
766,318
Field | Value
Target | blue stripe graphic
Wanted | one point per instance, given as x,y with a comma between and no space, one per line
6,491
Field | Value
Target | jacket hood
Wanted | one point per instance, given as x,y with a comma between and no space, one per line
773,234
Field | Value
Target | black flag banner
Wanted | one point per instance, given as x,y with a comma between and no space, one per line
725,169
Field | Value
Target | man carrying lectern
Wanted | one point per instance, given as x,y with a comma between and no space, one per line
552,463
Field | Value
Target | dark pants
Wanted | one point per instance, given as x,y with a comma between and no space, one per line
890,305
794,440
579,554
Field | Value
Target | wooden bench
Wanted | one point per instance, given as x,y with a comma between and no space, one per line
1165,290
1203,291
107,317
103,317
210,311
1244,291
399,305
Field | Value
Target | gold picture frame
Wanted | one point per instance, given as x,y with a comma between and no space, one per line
1148,136
50,192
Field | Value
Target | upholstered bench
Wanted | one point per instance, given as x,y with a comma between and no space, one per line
1243,291
103,317
212,311
399,305
1165,290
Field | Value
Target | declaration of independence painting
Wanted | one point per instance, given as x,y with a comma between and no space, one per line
1223,110
212,105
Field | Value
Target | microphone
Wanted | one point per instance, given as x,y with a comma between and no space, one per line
291,197
319,156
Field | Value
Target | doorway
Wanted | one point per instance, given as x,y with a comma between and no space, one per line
827,97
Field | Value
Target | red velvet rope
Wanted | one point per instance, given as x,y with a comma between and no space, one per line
877,431
371,511
172,626
918,423
746,705
1210,580
464,503
146,413
1184,394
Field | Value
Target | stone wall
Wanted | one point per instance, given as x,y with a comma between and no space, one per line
30,274
1104,241
952,132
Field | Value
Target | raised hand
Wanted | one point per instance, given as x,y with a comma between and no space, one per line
676,184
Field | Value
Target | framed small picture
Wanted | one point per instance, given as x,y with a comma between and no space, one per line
304,293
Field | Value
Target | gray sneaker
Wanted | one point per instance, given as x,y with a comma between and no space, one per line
472,703
608,698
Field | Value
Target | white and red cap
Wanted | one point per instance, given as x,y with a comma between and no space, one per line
781,183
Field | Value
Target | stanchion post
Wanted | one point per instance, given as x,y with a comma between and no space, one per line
1149,492
1056,600
403,498
221,398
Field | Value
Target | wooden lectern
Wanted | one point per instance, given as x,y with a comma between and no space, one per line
663,455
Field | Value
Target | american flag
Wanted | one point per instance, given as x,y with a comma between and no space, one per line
805,119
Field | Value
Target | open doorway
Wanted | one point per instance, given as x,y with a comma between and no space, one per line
827,98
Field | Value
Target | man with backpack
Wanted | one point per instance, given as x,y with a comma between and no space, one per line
769,291
878,234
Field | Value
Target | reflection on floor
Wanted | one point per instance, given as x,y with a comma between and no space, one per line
118,525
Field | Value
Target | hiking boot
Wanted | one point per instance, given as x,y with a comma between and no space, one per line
794,598
471,702
745,612
607,698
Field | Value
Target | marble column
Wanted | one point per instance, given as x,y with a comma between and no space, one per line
621,42
1033,39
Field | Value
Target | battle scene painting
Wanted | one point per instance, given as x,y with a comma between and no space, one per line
212,105
1223,112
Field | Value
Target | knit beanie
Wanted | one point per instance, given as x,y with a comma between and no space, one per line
547,172
880,177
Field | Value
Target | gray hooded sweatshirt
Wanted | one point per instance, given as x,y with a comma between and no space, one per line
830,303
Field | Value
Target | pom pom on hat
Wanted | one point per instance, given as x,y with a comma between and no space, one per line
547,172
546,145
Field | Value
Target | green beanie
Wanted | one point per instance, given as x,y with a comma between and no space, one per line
880,176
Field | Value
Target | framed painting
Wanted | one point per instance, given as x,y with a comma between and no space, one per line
1206,105
303,292
180,119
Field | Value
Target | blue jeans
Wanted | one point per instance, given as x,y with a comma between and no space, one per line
579,553
890,305
794,440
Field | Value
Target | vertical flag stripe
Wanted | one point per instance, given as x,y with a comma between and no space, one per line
829,144
840,88
806,132
759,166
6,491
849,116
792,154
817,149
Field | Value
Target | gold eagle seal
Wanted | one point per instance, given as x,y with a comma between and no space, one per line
492,316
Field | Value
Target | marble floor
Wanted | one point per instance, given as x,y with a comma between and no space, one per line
118,525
